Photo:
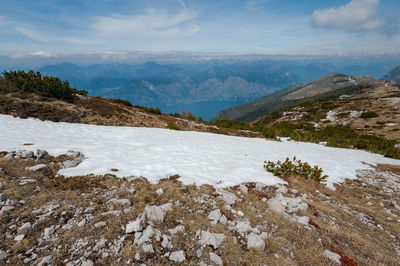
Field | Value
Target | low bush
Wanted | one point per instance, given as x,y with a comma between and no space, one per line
172,126
46,86
295,167
369,114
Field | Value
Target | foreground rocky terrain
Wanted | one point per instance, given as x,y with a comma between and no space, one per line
104,220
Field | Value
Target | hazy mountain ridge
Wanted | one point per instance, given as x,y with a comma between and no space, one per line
393,75
321,87
206,86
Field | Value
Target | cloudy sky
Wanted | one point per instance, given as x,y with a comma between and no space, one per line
45,27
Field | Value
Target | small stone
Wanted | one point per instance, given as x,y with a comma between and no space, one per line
137,225
70,163
178,229
44,261
137,256
215,258
1,171
27,181
37,167
199,253
42,154
82,223
6,209
24,228
19,238
87,263
240,213
3,185
332,256
215,215
148,248
228,197
25,154
255,241
178,256
159,191
3,255
100,224
100,244
121,201
49,231
243,227
89,210
3,197
223,219
114,212
166,242
148,233
155,213
208,238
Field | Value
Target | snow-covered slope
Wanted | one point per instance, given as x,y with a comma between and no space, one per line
157,153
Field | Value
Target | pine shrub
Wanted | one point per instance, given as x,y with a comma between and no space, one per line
295,167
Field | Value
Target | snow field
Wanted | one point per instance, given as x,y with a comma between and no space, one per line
200,158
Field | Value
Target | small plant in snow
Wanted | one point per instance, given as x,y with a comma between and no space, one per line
295,167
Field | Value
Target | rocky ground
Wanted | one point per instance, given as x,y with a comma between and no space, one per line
104,220
383,99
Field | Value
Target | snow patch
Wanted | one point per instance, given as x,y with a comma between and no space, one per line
200,158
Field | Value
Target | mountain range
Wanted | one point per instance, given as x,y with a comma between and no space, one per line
205,87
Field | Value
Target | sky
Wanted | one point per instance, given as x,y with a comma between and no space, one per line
48,27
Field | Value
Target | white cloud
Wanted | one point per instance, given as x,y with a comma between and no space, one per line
358,14
154,23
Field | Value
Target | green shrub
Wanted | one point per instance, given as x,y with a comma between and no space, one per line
44,86
369,114
269,132
152,110
120,101
172,126
231,124
295,167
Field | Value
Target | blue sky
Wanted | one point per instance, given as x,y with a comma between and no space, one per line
47,27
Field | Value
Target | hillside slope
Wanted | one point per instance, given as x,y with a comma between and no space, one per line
323,87
96,111
393,75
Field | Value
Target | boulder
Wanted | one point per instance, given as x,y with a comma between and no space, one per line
155,213
334,257
215,215
255,241
24,228
215,258
211,239
37,167
178,256
42,154
137,225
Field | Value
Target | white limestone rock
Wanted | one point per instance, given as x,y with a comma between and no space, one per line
208,238
334,257
24,228
178,256
37,167
178,229
281,204
215,258
148,248
243,227
255,241
137,225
